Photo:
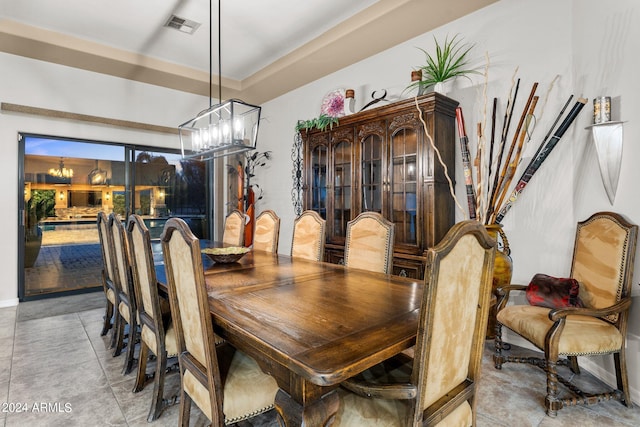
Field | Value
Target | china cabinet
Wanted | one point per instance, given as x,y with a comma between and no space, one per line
381,160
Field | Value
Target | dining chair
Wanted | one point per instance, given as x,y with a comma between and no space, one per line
233,234
106,273
309,234
594,324
157,334
246,391
438,385
267,232
126,312
369,243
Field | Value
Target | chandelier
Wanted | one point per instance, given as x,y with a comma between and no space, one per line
222,129
61,171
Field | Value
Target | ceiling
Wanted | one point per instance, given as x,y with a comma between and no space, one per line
269,47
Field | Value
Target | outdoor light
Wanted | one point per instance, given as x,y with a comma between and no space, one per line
61,195
107,196
222,129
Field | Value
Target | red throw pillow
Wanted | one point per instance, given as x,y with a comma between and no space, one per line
553,292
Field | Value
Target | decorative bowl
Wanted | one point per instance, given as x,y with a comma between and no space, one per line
225,255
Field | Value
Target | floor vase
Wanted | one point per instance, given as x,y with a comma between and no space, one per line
502,271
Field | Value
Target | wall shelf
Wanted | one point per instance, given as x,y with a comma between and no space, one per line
608,140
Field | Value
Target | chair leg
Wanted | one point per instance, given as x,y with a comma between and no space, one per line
620,360
498,358
108,318
573,364
118,337
157,404
141,376
185,407
551,401
131,347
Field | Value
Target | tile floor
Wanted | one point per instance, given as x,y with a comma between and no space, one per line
55,365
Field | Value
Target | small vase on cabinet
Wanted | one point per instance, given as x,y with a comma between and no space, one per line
502,270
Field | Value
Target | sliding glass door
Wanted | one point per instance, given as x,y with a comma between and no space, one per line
67,182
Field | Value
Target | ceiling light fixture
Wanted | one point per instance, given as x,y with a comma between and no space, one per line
61,171
226,128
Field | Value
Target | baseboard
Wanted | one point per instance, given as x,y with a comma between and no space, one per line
9,302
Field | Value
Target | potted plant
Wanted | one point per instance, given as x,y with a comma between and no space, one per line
449,61
35,210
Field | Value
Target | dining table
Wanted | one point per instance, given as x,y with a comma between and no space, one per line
311,325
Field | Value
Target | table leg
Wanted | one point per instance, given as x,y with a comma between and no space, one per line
318,413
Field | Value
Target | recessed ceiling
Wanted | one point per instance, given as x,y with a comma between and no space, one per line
266,44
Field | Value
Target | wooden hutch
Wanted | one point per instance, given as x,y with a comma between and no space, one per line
381,160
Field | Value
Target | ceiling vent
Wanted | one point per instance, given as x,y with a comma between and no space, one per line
182,24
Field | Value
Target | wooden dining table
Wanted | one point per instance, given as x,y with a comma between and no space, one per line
311,325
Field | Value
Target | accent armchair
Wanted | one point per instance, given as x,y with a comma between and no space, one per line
603,257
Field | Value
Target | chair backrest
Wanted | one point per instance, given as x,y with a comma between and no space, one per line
106,248
267,232
309,234
234,229
145,283
190,308
603,257
453,322
120,248
369,243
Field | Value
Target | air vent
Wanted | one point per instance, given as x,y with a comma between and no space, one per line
181,24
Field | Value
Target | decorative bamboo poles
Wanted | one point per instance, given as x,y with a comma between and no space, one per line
491,202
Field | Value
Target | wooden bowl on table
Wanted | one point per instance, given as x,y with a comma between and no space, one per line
225,255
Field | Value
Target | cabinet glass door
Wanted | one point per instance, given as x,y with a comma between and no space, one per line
341,188
404,185
372,174
319,163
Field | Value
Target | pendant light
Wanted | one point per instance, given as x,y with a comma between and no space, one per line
226,128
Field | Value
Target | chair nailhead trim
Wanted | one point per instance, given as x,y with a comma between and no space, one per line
249,415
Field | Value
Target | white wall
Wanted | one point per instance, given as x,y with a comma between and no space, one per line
590,45
39,84
586,48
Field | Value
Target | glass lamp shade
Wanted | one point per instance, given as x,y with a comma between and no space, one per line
220,130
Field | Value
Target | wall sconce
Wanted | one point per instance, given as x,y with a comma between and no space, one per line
107,196
61,196
161,194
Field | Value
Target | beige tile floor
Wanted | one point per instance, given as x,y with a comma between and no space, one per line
54,360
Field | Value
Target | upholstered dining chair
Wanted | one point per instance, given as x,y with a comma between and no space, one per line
106,273
157,334
369,243
233,234
438,385
267,232
309,234
126,312
246,391
602,265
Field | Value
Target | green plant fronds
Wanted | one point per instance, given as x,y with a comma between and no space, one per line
321,122
450,60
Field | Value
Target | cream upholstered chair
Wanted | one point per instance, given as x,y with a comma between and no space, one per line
247,391
157,333
603,258
438,385
309,234
126,311
267,232
233,234
107,273
369,243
